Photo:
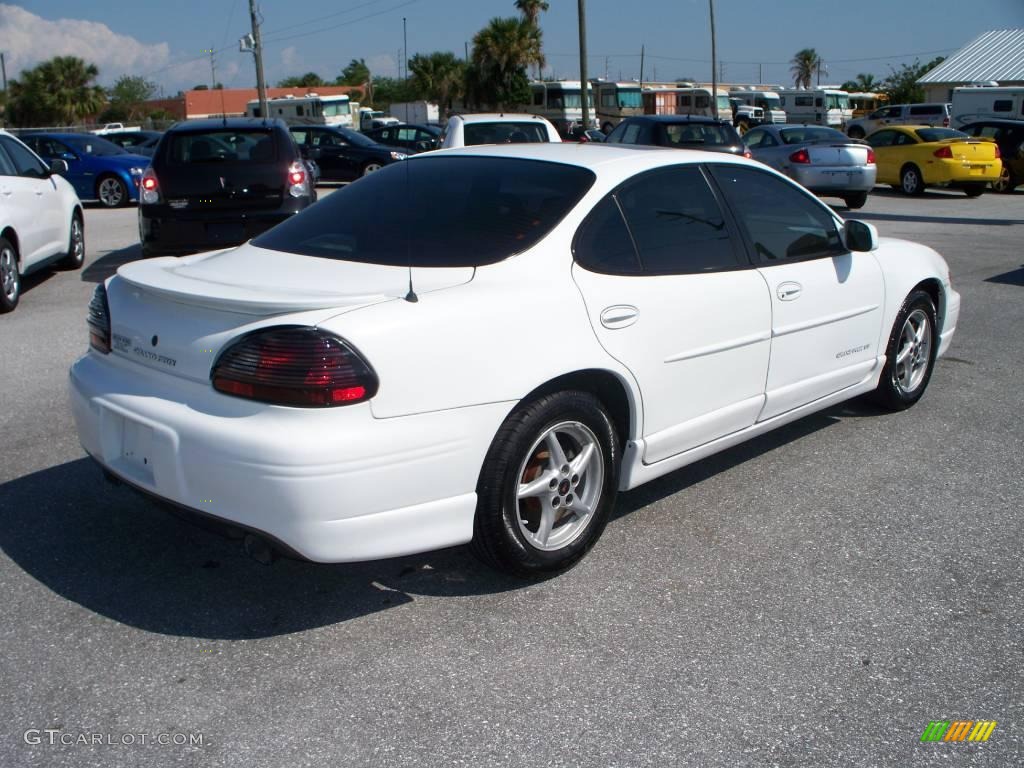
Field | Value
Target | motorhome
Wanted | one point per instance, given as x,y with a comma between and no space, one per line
615,102
768,101
311,109
685,100
560,102
817,106
973,103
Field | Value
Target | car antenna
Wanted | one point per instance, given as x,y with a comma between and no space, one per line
411,296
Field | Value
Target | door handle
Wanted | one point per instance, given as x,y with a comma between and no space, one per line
788,291
619,316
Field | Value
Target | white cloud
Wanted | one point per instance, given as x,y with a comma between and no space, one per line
291,59
29,39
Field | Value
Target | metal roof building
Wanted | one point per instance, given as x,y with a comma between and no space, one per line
996,56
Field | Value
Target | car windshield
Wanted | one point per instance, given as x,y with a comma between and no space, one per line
222,146
443,212
838,101
939,134
688,134
504,133
808,135
95,146
352,137
768,102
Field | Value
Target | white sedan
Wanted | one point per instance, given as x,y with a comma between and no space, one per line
41,218
536,328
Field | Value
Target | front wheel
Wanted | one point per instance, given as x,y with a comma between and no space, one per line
112,192
855,200
76,245
910,354
370,168
10,279
547,486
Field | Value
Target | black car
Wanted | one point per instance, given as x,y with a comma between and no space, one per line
137,142
1009,137
412,138
343,155
218,183
679,132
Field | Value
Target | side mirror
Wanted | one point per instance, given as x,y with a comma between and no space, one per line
860,236
59,167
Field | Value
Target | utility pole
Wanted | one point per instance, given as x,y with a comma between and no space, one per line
641,67
467,49
584,85
213,68
405,48
257,51
760,79
3,67
714,78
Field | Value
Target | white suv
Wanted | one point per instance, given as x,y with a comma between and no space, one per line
40,218
899,114
495,128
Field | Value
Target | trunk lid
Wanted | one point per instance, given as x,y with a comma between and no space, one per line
176,315
838,154
971,151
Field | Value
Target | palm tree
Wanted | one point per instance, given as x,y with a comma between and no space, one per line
803,66
438,76
531,10
501,52
56,92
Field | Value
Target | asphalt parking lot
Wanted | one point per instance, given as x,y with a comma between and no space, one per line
814,597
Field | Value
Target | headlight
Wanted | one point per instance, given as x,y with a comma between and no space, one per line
398,156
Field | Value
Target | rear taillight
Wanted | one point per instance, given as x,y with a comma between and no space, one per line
945,152
99,320
297,183
999,154
800,156
747,154
871,157
150,187
294,366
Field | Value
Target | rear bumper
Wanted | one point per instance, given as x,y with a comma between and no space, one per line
164,231
961,172
836,179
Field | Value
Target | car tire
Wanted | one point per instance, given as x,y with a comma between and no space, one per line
856,132
10,278
911,181
75,257
370,168
111,192
974,190
538,511
1006,182
856,200
913,336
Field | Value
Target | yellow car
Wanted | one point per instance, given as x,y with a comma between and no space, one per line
912,157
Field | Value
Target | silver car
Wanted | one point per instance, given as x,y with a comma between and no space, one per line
821,159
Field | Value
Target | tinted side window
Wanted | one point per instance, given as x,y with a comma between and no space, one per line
24,161
882,139
781,221
928,109
6,164
603,242
1002,105
676,223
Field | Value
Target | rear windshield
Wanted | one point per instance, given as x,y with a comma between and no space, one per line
440,212
808,134
222,146
690,134
939,134
504,133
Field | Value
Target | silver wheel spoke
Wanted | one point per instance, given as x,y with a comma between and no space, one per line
547,522
578,466
555,451
540,486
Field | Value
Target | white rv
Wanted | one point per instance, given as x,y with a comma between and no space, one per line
311,109
560,101
768,101
987,102
817,106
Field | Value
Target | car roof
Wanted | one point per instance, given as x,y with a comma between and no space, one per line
1002,121
498,117
590,155
236,123
673,119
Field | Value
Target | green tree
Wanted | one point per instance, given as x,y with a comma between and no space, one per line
356,73
863,83
308,80
804,66
531,10
389,90
439,77
901,86
128,97
501,52
61,91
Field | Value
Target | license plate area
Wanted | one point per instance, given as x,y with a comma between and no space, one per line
228,231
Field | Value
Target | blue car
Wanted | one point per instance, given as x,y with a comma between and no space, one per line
98,169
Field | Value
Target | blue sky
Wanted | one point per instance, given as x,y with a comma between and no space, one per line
165,40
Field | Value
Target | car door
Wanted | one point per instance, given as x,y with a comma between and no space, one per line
332,153
33,204
826,301
670,295
886,161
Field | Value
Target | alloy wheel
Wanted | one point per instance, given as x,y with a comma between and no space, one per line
914,352
111,192
9,273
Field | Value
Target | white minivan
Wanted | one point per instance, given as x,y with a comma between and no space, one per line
935,114
41,218
974,103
